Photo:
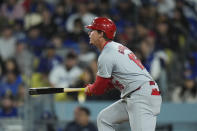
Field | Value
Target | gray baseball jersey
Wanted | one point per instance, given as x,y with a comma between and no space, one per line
119,63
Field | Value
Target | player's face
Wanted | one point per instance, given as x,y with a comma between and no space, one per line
94,37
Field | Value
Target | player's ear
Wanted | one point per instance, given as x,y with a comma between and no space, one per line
102,34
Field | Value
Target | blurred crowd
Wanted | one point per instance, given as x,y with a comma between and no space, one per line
44,43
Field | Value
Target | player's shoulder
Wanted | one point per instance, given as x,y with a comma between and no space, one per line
111,47
116,48
110,51
113,44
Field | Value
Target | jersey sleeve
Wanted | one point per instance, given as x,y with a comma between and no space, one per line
100,86
105,66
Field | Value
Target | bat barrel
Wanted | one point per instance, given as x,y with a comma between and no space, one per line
37,91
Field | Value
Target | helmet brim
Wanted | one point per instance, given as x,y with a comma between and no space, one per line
89,27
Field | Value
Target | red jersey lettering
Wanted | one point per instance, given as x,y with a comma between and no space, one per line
136,60
121,49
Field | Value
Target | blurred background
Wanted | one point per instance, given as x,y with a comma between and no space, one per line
44,43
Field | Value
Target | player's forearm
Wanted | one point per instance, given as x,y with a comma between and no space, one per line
100,85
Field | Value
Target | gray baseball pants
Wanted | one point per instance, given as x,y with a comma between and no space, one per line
140,109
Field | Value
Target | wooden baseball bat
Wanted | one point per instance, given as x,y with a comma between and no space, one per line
50,90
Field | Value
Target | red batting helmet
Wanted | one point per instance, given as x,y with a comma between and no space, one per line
104,24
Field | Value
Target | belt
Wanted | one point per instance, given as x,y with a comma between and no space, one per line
129,94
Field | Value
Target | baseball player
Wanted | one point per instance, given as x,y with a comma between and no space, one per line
118,67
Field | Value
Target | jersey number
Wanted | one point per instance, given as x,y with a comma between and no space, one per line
136,60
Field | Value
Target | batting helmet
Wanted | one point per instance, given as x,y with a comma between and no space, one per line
104,24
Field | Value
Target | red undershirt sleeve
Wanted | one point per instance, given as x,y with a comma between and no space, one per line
100,85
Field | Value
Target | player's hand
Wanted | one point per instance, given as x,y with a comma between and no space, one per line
87,90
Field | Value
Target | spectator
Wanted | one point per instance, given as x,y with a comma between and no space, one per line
47,26
11,83
7,43
49,60
127,37
148,14
18,29
103,7
12,66
188,8
78,33
179,28
66,74
12,9
35,40
187,92
40,5
86,55
162,35
93,7
69,6
59,17
82,13
81,121
191,64
141,33
8,109
124,6
12,79
165,6
57,41
24,57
